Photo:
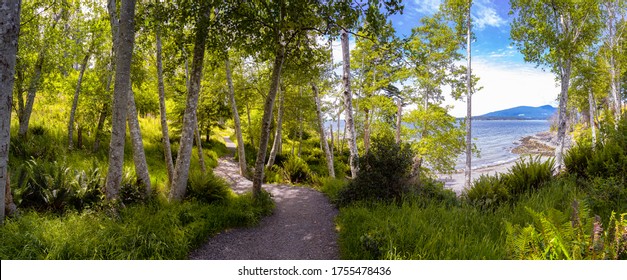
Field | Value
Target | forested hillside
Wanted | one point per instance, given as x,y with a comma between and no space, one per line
113,115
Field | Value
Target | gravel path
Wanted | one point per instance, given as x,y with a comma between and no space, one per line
300,228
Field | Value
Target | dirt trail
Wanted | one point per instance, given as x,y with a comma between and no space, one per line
300,228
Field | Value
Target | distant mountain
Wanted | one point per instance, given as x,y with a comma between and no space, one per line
521,113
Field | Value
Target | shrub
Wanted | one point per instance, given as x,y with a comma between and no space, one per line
295,170
605,195
528,175
43,186
487,192
576,159
554,235
88,186
383,173
131,189
207,187
331,187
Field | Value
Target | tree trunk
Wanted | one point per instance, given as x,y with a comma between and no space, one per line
267,118
276,145
181,169
366,130
201,155
250,126
323,138
79,137
348,102
561,121
241,154
100,126
9,32
139,157
468,103
167,151
24,118
121,90
70,126
399,119
592,114
122,87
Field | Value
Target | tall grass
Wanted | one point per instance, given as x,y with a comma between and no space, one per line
436,230
158,230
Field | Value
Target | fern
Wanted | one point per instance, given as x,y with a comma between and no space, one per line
553,236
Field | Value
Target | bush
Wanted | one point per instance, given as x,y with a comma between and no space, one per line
206,187
43,186
529,175
132,190
487,192
331,187
295,170
556,235
576,160
383,173
605,195
607,159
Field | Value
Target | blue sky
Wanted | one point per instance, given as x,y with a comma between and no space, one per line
506,79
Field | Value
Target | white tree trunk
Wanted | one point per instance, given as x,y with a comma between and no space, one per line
399,119
323,139
9,32
266,119
241,154
468,104
201,155
167,151
139,157
121,90
276,144
348,102
592,117
24,118
561,121
70,126
181,169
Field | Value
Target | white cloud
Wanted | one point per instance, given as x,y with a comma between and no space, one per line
427,7
506,86
484,15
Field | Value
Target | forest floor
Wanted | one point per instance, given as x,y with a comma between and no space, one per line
301,226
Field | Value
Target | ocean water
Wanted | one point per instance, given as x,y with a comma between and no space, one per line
495,140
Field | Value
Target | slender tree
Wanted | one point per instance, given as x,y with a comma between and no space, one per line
241,155
278,133
162,112
348,103
323,139
75,100
554,33
468,171
181,169
9,32
122,87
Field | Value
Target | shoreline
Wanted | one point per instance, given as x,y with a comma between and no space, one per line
532,145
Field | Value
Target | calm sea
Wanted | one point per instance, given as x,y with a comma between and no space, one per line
495,140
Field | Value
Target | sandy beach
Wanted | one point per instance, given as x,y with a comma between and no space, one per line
539,144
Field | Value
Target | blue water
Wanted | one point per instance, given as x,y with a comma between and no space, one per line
495,140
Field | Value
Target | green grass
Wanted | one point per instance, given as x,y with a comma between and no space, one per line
150,228
157,230
438,230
